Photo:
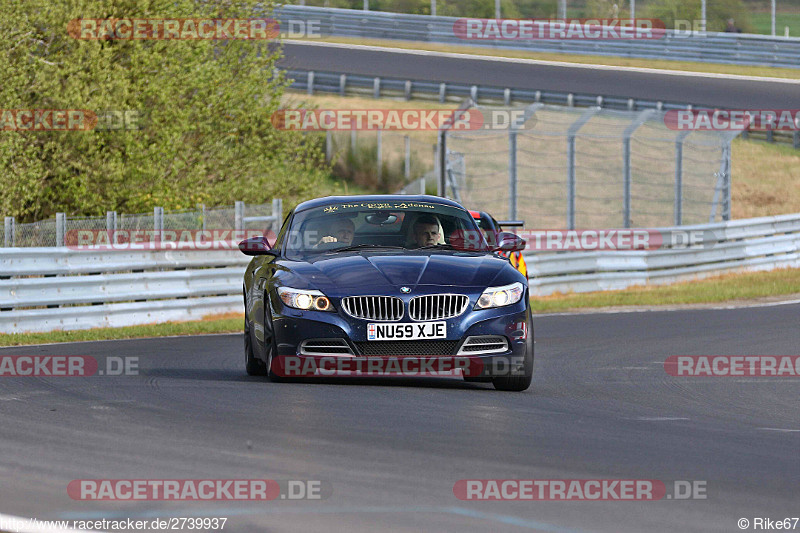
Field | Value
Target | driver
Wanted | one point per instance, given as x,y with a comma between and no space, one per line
341,230
426,231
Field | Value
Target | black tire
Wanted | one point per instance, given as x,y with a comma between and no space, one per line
477,379
521,382
272,345
253,365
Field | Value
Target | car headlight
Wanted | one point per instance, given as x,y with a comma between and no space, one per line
307,300
500,296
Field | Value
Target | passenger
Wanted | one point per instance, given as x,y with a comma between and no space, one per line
341,230
426,231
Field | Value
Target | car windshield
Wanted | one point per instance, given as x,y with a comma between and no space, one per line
382,225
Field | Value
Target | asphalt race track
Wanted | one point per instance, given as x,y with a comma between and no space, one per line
601,406
707,91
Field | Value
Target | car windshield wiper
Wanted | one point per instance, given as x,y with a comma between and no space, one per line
362,247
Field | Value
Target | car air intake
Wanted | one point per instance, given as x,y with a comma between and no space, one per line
483,344
325,347
437,306
407,348
378,308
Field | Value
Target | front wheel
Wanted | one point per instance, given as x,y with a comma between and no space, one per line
521,381
253,365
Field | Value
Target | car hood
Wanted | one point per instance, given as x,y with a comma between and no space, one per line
360,273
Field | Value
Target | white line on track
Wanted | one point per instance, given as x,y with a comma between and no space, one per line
782,430
519,60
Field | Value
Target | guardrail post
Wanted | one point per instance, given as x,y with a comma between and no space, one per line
310,83
407,159
376,88
61,225
238,216
770,136
203,215
433,8
796,139
473,93
407,92
9,234
277,212
506,96
342,84
442,92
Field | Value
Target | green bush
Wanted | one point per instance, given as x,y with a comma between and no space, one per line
206,106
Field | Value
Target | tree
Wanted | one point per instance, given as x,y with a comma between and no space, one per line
205,109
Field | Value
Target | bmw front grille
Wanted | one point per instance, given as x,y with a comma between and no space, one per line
437,306
378,308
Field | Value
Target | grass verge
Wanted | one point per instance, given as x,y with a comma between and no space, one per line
230,323
661,64
729,288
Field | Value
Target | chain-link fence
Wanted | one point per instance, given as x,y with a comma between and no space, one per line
595,168
57,232
383,160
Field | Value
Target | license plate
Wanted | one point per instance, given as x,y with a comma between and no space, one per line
406,332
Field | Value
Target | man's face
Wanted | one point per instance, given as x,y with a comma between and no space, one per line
426,234
343,231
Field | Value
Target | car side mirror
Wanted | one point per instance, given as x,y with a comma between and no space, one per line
256,246
509,242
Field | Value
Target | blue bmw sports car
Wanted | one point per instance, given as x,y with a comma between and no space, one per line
387,283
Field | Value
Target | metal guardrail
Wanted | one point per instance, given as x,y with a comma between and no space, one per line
709,47
344,84
738,245
116,287
75,289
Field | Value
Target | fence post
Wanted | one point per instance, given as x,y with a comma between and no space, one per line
61,224
512,173
378,149
407,159
158,220
9,235
678,210
640,119
433,8
573,130
238,216
111,225
353,139
328,147
441,158
726,162
277,212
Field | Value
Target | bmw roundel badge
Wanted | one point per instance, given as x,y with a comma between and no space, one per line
405,290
